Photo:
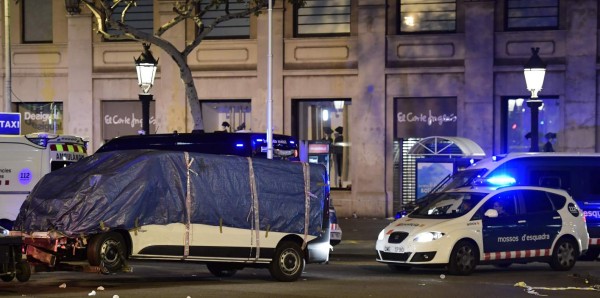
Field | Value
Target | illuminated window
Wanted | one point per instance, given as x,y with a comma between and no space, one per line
230,29
326,120
323,17
528,14
427,16
41,117
37,21
518,124
226,115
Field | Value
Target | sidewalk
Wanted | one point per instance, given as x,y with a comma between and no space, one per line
358,237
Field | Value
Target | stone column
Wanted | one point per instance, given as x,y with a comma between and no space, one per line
478,97
78,105
259,102
171,106
581,121
367,134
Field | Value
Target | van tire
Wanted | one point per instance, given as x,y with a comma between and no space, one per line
7,277
288,263
564,255
108,251
463,258
23,271
221,269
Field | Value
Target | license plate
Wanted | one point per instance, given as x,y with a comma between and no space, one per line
394,248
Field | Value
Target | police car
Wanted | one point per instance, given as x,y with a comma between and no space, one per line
464,227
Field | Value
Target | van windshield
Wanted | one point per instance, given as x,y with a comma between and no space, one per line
461,179
449,205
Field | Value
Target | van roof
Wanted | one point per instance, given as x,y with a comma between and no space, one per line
173,140
495,161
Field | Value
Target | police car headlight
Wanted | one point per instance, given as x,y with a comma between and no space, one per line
381,235
428,236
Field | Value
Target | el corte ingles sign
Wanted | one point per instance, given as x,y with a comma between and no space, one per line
424,117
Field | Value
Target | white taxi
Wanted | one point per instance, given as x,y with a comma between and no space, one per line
465,227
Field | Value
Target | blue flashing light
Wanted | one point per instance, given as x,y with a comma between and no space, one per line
239,145
494,158
471,161
292,142
501,180
259,140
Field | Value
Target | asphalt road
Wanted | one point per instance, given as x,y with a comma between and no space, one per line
351,272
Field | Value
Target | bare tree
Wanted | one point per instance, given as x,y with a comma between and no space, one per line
108,22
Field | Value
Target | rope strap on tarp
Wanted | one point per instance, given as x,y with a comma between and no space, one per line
254,196
307,195
188,205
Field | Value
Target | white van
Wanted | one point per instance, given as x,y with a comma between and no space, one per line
577,173
24,159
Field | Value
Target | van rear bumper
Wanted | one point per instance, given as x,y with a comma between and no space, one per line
319,248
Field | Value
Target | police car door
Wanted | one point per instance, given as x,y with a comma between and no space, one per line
543,221
502,234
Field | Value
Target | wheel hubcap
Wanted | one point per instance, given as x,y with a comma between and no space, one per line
290,262
110,251
565,254
464,258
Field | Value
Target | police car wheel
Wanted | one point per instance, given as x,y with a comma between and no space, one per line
399,268
288,263
463,258
564,255
221,270
107,250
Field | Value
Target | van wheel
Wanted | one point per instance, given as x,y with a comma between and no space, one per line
23,271
221,270
288,263
463,258
7,277
564,255
107,250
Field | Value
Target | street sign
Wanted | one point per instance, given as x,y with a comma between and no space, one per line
10,123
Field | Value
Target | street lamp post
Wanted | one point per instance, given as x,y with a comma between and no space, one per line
145,66
534,70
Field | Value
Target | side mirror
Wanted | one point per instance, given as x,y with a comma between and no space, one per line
492,213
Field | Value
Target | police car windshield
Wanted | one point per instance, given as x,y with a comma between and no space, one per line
449,205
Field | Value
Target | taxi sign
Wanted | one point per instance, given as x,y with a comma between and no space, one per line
10,123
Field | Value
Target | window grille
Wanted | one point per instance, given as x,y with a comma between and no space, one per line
531,14
141,16
323,17
37,21
231,29
427,16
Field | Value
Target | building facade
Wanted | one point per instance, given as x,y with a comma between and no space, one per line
372,76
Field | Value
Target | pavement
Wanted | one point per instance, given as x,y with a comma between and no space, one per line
358,237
